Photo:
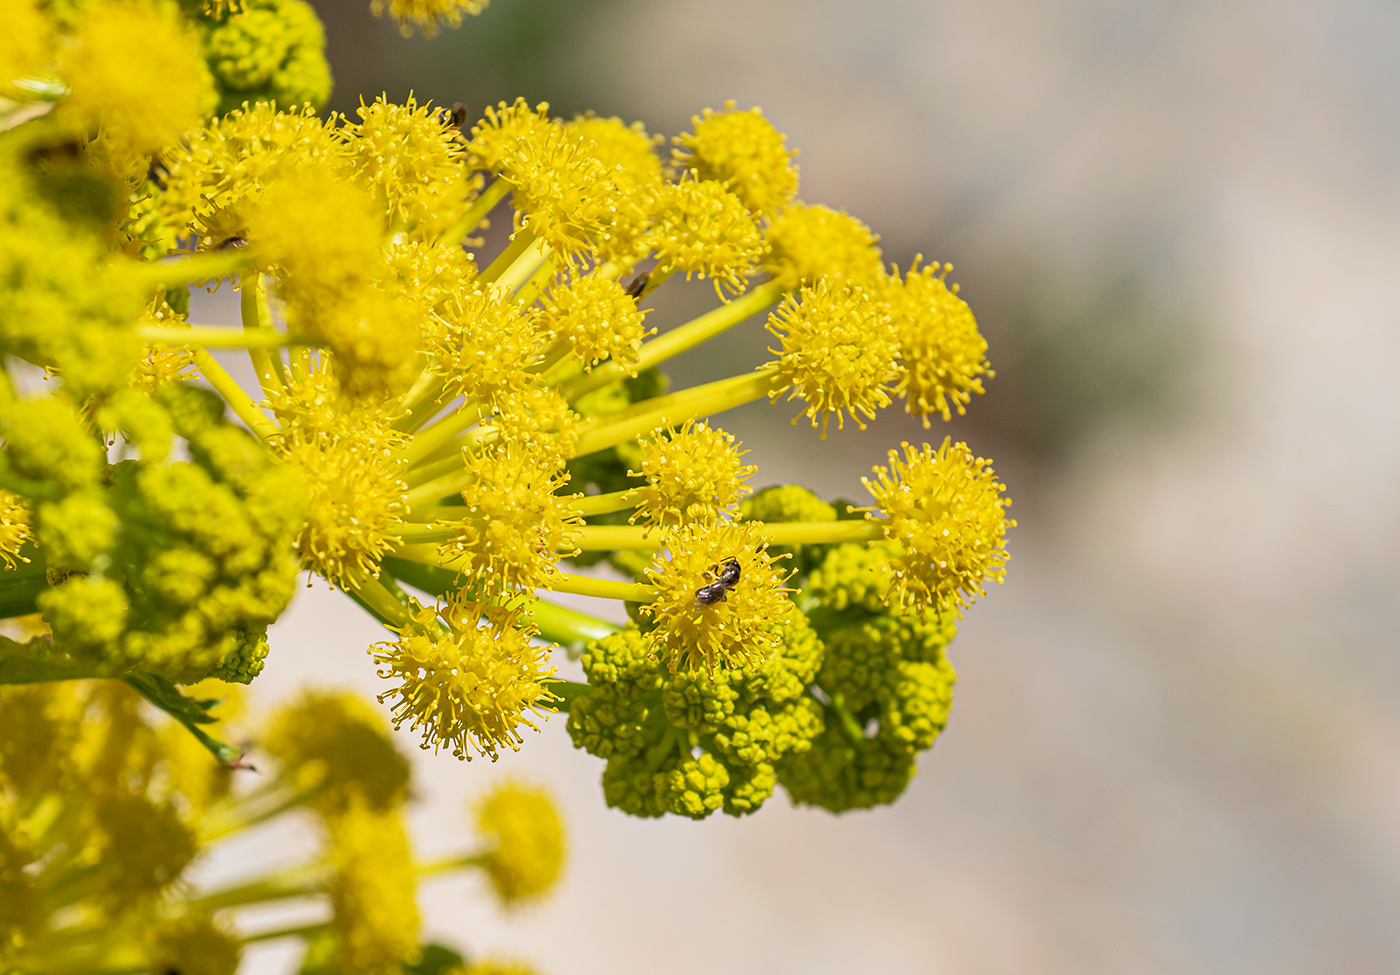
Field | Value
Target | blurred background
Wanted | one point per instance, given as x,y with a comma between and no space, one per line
1176,741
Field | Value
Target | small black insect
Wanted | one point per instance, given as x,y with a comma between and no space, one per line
716,592
228,243
638,285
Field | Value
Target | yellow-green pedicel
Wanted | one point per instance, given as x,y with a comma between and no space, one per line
452,434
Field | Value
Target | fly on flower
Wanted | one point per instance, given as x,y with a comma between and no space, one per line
715,592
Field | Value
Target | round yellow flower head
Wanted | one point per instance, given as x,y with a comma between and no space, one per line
141,103
413,161
14,528
494,137
26,42
346,454
838,352
337,748
813,242
626,151
431,278
597,317
703,229
194,945
567,197
527,854
743,151
945,507
145,846
372,891
943,354
694,630
516,527
484,346
469,676
540,423
230,160
427,15
693,474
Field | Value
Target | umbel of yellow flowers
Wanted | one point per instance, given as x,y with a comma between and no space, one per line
475,427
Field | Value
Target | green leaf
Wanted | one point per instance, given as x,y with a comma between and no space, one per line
190,712
435,959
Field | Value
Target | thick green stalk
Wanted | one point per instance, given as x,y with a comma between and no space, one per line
481,206
216,337
257,323
239,401
611,429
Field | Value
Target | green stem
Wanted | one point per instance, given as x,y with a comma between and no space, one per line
678,340
379,600
581,585
611,429
441,433
294,931
257,323
421,402
439,487
240,402
849,726
476,213
569,628
506,258
604,504
215,337
299,881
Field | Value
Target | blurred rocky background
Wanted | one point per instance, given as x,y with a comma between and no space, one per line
1176,742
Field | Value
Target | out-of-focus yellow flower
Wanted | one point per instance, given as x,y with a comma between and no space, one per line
142,104
743,151
427,15
527,836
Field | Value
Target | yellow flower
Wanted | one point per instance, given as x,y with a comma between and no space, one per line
743,151
14,528
335,748
626,151
194,945
738,630
228,162
838,352
945,508
346,454
495,136
25,43
813,242
538,422
468,675
427,15
703,229
517,526
142,103
527,854
943,355
596,317
372,891
413,161
485,346
693,474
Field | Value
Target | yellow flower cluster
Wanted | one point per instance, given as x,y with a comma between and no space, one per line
103,810
477,430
